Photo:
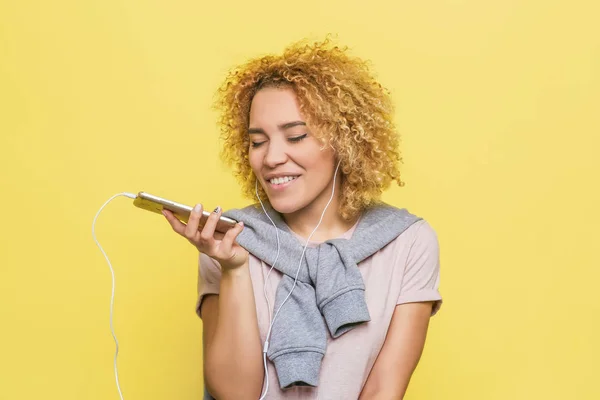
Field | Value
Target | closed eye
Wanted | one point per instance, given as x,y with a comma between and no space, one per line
294,139
297,138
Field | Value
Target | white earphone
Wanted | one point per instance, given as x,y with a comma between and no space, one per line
272,320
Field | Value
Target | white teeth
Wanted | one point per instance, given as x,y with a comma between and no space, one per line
279,181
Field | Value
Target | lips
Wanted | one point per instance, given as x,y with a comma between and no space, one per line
281,182
283,179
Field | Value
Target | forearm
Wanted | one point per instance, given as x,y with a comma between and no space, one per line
376,389
400,353
234,367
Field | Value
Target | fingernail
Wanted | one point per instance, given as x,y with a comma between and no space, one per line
164,213
197,208
241,224
217,210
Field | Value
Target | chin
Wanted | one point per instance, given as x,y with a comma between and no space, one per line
285,206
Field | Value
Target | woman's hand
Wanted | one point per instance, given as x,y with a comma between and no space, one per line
222,248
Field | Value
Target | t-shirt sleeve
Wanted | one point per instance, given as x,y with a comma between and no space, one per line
209,278
421,278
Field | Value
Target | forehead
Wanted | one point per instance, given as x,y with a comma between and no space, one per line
274,106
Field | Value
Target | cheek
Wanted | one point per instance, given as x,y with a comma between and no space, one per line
324,161
312,155
255,160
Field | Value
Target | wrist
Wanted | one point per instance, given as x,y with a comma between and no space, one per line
233,272
239,260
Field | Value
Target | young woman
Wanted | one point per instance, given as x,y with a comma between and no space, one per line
324,291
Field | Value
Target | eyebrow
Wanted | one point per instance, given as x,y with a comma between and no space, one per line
285,126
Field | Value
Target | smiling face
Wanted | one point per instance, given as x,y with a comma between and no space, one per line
285,156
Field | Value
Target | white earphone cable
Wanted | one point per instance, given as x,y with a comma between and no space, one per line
266,344
112,297
271,318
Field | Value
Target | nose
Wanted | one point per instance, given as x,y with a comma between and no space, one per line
275,155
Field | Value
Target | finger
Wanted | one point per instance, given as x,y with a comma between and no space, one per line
176,224
218,235
208,232
191,230
226,245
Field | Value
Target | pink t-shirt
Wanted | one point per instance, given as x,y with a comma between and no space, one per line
405,271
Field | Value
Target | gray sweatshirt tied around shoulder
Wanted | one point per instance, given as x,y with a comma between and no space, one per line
329,293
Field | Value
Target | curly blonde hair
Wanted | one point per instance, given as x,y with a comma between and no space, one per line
343,104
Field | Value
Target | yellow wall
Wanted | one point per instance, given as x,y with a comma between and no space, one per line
498,102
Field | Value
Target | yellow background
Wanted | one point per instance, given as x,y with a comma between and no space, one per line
498,103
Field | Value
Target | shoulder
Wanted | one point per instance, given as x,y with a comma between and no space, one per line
421,233
419,237
418,229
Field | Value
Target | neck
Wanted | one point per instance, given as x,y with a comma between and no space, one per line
304,221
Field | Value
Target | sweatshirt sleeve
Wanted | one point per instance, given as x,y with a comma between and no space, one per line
209,278
422,272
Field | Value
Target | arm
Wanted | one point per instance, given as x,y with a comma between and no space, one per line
233,367
231,343
419,299
400,353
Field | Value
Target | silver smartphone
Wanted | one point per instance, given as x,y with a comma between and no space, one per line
156,204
